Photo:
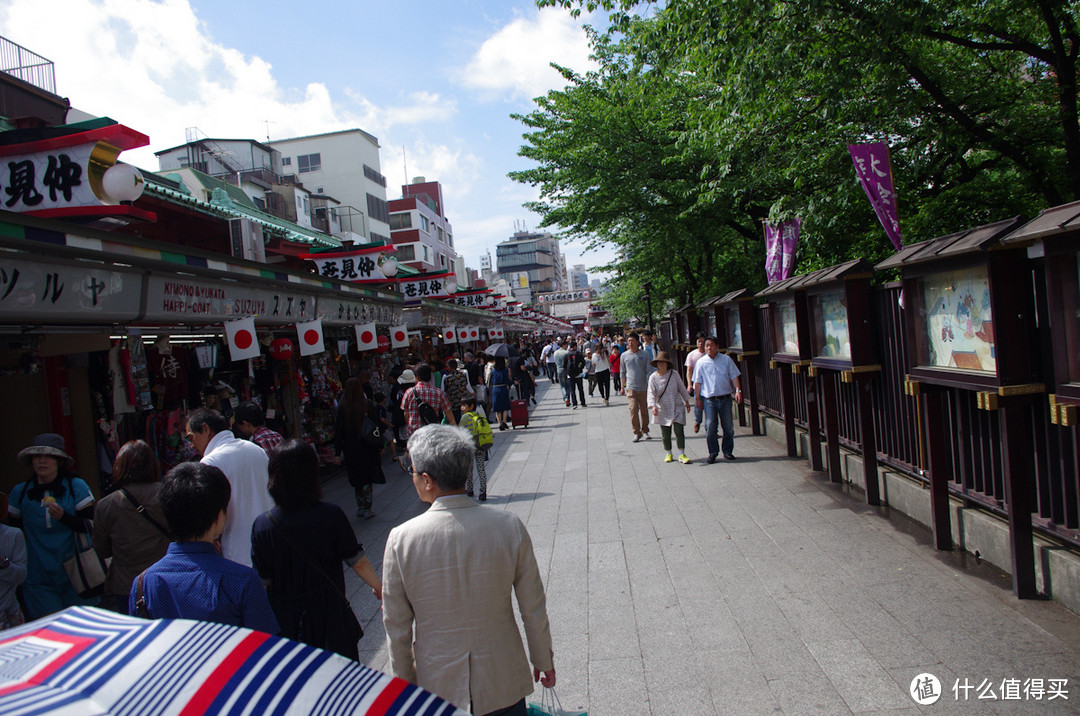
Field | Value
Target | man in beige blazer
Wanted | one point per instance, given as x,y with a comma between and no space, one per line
448,576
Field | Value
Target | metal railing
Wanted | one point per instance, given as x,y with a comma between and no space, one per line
28,66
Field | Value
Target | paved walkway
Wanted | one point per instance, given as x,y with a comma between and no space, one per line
740,588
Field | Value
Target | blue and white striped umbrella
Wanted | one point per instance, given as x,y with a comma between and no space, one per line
84,661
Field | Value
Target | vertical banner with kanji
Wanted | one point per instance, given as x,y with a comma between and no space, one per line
780,243
874,168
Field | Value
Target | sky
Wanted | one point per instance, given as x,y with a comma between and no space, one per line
434,81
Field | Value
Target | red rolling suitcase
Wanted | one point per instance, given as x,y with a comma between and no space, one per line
519,414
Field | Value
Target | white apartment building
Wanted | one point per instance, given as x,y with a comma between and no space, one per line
346,166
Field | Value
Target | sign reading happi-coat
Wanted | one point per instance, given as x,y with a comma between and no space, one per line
65,174
174,298
429,286
874,168
310,335
366,340
357,266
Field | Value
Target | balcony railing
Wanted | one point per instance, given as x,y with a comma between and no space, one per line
28,66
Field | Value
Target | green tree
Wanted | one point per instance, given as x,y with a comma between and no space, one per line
738,109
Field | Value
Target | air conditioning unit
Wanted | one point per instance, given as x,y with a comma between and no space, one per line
246,238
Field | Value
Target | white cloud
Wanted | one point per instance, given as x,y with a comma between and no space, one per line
154,67
516,59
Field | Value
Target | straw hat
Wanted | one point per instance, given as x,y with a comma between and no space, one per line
406,377
48,444
662,356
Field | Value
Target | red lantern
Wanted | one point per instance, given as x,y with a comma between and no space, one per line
281,348
384,344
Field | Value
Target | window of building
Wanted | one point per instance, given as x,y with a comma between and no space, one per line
406,253
425,224
319,190
442,260
286,161
307,205
427,255
400,221
442,235
450,240
377,237
309,162
377,209
374,176
259,203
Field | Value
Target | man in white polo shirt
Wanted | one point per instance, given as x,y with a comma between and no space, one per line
691,360
716,382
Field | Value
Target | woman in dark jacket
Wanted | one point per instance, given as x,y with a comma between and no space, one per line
298,548
363,458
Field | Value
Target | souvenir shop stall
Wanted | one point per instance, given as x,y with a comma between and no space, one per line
106,338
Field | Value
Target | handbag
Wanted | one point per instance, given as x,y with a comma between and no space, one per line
86,570
370,433
549,706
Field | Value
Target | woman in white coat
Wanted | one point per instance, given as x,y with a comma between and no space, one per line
669,402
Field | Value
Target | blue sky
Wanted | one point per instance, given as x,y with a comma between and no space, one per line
437,80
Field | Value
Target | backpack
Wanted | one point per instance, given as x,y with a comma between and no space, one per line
480,429
428,416
574,364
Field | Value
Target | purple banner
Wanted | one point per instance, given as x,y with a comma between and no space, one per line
780,243
875,173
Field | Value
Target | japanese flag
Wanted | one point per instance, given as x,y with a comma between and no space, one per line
449,335
310,337
399,337
500,333
366,340
462,334
493,333
474,333
241,336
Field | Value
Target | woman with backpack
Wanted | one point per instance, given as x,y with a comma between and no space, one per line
359,437
50,508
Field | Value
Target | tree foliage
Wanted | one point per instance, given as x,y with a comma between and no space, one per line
707,116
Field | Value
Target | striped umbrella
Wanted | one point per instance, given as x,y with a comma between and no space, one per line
88,661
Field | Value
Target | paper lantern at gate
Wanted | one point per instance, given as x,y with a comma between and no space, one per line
281,349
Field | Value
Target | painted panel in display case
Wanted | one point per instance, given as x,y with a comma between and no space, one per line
830,324
958,329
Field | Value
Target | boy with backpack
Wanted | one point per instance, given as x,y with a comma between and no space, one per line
473,421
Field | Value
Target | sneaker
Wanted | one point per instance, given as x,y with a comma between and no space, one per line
684,459
483,497
647,436
605,401
697,426
711,459
568,403
637,438
669,458
369,514
729,456
469,493
575,407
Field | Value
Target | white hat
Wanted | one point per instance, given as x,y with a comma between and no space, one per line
406,377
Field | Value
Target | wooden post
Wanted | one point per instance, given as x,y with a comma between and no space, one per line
813,423
832,423
1016,452
938,461
787,397
750,392
865,384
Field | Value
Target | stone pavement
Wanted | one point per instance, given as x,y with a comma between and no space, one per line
744,587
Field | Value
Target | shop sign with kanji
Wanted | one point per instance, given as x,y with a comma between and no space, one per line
362,265
30,290
474,300
426,287
66,174
169,299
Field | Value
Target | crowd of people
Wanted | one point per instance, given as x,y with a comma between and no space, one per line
243,536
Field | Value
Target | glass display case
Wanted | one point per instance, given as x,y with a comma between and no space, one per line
785,327
733,327
954,323
829,324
